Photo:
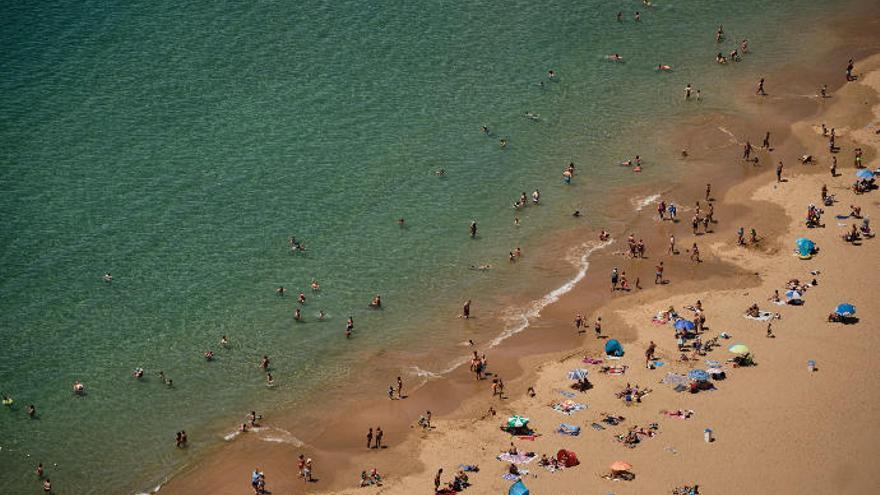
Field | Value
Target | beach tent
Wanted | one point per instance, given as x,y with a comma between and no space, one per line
845,309
518,488
613,348
698,375
686,325
864,174
567,458
793,295
805,247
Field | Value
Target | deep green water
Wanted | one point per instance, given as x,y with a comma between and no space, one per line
178,145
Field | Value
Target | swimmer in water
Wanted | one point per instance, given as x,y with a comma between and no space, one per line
138,373
315,286
551,74
502,143
269,380
79,388
440,172
376,303
617,58
280,290
224,341
107,277
484,129
297,315
209,355
321,315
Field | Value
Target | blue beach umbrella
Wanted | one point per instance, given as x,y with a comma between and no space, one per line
845,309
684,324
864,173
805,246
793,295
698,375
577,374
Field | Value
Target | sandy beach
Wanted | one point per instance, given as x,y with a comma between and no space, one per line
777,426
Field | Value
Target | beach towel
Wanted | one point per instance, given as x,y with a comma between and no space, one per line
658,364
597,427
589,360
779,303
568,407
566,393
616,370
470,468
567,429
616,358
513,477
530,438
762,316
515,459
675,379
679,414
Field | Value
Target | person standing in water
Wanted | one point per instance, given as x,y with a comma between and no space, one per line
760,91
473,229
466,310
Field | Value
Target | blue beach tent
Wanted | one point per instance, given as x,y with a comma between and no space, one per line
805,246
698,375
518,488
613,348
687,325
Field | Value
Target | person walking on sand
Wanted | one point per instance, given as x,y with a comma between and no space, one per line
747,150
437,479
379,435
597,327
766,143
370,438
708,191
614,277
671,248
399,388
695,254
779,172
760,91
658,274
649,354
579,322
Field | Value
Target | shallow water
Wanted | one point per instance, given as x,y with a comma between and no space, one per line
179,145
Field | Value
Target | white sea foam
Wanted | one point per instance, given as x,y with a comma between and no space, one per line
641,203
415,370
520,319
278,435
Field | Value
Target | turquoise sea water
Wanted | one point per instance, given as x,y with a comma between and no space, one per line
178,145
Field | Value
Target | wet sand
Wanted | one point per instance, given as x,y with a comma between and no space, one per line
769,410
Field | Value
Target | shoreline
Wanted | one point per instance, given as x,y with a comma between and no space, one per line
513,365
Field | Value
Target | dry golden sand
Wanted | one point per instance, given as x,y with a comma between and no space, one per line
779,428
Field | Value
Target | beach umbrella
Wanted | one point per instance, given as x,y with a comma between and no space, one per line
698,375
845,309
518,488
805,246
517,421
684,324
621,466
739,349
577,374
792,295
864,174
